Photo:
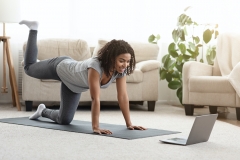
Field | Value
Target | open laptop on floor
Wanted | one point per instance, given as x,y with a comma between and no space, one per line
200,132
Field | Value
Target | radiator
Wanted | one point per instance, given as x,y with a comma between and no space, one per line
20,71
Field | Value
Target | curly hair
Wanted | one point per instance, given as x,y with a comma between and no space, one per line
107,56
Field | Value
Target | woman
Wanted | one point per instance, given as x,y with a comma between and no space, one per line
113,62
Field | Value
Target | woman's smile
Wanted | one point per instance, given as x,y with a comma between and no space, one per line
122,62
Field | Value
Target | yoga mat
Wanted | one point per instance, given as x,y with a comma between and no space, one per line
119,131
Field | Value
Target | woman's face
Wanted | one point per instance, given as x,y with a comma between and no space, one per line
122,62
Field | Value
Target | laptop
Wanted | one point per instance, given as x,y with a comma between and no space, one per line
200,132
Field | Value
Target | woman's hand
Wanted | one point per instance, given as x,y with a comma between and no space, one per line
101,131
136,127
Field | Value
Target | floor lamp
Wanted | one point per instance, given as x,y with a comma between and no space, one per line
9,13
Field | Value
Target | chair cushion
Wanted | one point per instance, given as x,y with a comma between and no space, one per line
210,84
136,77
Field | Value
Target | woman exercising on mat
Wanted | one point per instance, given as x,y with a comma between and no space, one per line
113,62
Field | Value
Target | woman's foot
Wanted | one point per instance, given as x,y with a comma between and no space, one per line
33,25
38,113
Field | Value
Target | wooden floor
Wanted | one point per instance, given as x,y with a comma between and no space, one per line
227,115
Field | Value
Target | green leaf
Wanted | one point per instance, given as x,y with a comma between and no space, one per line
172,50
185,19
179,59
211,54
191,52
189,21
207,36
182,35
210,62
163,74
201,60
174,84
182,48
174,54
170,65
196,53
158,37
186,57
169,77
165,64
151,38
171,46
176,74
196,39
179,67
192,46
180,19
165,58
175,35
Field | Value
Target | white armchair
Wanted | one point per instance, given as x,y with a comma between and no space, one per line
217,85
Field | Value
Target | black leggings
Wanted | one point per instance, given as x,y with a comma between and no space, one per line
46,69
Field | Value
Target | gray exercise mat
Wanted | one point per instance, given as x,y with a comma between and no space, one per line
119,131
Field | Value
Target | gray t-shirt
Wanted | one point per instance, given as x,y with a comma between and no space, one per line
74,74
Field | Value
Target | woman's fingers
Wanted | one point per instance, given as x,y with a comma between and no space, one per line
102,131
141,128
136,127
106,131
131,127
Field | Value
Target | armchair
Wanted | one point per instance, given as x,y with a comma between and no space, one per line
217,85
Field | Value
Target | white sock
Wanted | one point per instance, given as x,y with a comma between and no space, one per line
38,113
33,25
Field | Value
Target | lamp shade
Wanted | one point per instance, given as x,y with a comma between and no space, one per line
10,11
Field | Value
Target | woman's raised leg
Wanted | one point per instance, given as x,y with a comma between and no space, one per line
45,69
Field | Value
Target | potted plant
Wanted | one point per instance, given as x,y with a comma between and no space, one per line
186,46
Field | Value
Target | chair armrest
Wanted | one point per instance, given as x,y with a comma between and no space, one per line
234,78
193,68
148,65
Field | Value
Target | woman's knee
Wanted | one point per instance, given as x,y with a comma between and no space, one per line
65,120
27,71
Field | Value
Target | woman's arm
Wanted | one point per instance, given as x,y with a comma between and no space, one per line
123,99
94,86
124,102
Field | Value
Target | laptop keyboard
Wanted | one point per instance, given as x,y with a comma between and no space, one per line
178,139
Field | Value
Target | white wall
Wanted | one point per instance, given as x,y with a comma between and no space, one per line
132,20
